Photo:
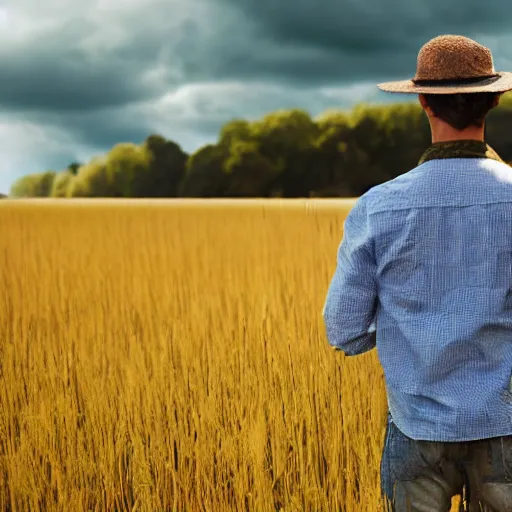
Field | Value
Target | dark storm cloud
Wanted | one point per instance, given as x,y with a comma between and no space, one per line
364,26
64,69
287,41
55,76
335,40
105,128
65,85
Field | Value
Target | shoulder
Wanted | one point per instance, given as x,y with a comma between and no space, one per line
390,193
499,170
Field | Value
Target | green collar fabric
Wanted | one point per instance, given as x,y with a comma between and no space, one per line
460,149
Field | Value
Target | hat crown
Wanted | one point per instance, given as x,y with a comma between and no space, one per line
453,58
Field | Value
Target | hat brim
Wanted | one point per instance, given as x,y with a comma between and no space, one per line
500,83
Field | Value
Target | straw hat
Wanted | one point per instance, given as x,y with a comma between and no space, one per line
451,65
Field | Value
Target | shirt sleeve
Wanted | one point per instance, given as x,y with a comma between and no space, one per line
350,307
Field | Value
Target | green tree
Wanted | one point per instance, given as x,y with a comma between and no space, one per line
118,174
167,168
73,168
250,174
498,127
92,181
234,131
33,185
205,176
128,167
336,163
287,139
285,153
62,184
392,136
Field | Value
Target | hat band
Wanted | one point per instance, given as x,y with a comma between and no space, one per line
459,81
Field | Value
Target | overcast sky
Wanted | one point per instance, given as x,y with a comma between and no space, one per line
78,77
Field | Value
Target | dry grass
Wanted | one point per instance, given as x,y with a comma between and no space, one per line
159,357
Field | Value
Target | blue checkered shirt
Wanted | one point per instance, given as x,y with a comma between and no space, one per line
424,273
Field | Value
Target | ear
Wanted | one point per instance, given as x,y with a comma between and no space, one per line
497,100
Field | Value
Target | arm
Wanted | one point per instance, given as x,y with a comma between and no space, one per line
351,303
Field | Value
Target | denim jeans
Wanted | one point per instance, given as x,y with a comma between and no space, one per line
423,476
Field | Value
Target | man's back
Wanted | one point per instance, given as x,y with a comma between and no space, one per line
424,273
442,241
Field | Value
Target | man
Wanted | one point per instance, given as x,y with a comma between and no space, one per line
424,273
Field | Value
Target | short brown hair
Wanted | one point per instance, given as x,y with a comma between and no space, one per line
462,110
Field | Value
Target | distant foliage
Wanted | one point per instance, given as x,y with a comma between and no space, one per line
91,180
167,162
33,185
284,154
62,184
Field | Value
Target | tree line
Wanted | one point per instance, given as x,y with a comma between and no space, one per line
284,154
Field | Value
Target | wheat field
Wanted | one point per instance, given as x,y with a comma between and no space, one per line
171,356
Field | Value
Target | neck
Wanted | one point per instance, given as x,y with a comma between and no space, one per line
443,132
